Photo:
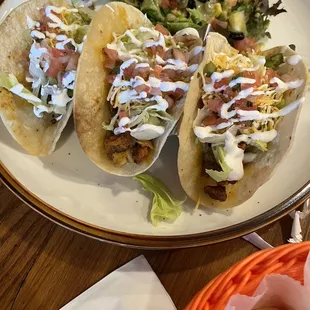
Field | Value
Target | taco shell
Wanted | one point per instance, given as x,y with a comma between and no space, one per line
38,136
91,109
190,156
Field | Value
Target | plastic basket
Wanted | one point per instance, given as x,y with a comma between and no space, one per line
245,276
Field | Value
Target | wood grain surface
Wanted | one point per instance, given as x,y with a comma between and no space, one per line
44,266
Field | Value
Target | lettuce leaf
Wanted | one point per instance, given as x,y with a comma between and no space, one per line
164,205
10,82
219,155
262,146
152,10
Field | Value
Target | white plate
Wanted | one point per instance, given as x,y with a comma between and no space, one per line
68,188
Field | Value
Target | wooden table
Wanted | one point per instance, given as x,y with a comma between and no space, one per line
44,266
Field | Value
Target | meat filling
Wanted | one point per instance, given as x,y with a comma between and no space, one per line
124,148
216,192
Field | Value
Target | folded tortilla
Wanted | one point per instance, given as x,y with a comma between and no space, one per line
38,136
91,108
190,156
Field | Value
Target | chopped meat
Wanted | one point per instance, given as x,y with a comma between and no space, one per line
118,143
179,92
242,145
190,41
171,74
155,91
196,59
112,57
123,114
211,164
142,88
177,53
129,71
212,120
171,102
214,104
110,78
216,192
140,153
221,83
174,53
244,104
153,50
142,72
162,29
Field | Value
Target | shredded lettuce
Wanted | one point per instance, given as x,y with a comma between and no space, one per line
164,205
10,82
219,155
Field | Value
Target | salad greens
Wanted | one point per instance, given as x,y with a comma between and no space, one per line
164,205
236,19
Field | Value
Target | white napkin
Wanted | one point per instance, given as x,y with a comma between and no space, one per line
133,286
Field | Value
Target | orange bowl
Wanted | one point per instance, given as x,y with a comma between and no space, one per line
245,276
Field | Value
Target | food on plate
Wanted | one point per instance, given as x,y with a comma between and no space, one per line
41,42
243,22
131,86
239,119
164,205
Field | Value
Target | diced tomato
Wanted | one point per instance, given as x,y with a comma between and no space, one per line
222,82
251,75
157,70
165,4
143,87
245,44
170,100
175,4
55,67
110,78
155,91
162,29
215,104
212,120
123,114
128,72
270,74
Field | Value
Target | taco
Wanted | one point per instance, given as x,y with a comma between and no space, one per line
239,118
131,85
40,46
